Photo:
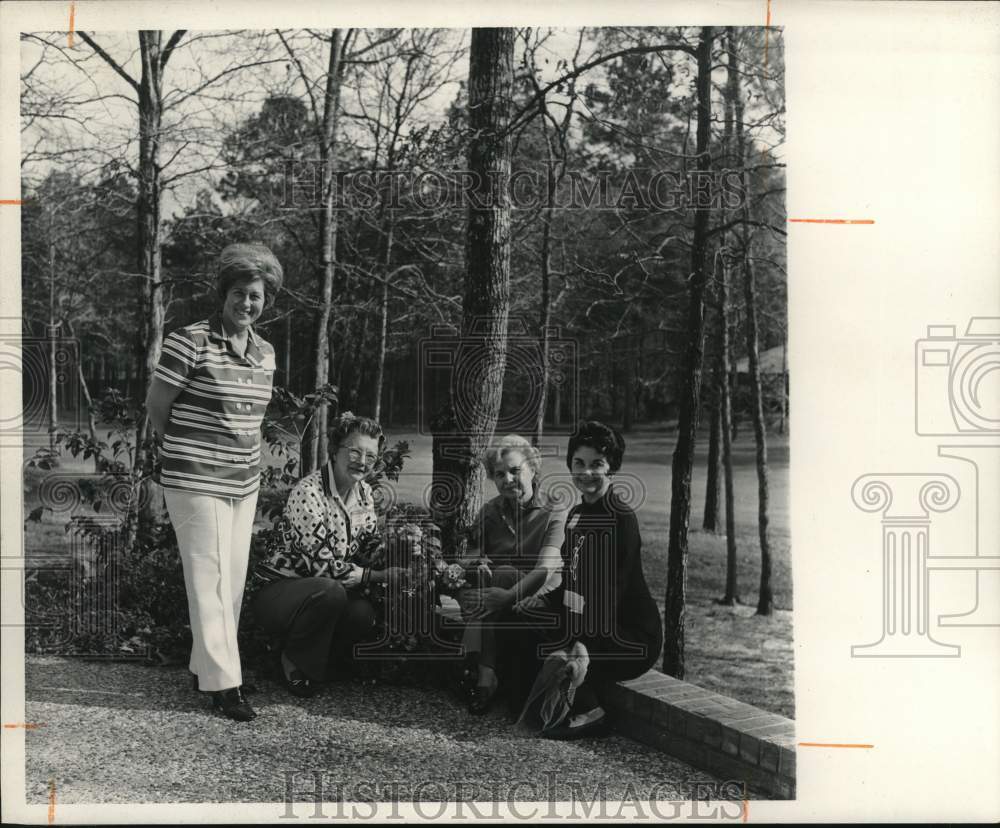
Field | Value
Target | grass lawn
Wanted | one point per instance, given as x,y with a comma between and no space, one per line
728,649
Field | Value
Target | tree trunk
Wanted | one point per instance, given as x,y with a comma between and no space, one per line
53,385
543,326
314,442
151,505
88,400
732,591
544,308
784,385
734,373
628,398
713,482
476,386
690,390
765,600
383,333
288,353
723,373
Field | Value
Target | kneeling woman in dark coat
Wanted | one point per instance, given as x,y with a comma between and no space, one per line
604,602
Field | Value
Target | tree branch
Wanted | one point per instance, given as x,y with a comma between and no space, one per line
108,59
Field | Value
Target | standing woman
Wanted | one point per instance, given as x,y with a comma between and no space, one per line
207,401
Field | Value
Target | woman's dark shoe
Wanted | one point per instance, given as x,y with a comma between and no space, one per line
468,678
481,699
233,705
298,685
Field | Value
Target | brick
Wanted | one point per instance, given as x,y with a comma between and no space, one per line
783,739
703,708
776,729
644,706
619,698
786,762
648,679
769,756
712,734
679,692
658,713
746,725
740,716
750,748
782,788
696,727
730,741
677,721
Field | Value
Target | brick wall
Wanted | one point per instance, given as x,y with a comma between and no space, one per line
713,732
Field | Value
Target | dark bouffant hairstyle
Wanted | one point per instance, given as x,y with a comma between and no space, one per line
244,262
347,424
602,438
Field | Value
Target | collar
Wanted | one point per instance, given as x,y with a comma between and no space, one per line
604,503
360,488
217,332
536,502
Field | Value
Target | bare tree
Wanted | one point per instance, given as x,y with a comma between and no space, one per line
690,390
326,113
475,394
765,600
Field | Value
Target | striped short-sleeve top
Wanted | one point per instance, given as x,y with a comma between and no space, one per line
212,440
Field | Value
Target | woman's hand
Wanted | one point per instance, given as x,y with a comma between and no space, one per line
353,577
532,602
494,600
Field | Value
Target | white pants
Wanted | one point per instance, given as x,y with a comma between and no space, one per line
213,534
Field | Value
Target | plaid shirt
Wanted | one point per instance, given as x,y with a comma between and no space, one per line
212,440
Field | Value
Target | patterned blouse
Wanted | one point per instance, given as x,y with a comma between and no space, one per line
323,533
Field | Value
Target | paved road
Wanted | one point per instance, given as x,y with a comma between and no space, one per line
120,732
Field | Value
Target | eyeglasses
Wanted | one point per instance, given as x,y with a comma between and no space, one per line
357,455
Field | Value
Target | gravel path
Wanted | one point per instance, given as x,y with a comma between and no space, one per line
120,732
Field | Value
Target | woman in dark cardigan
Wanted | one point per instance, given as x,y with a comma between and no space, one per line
604,602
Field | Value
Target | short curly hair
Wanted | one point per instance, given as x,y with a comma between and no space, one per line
512,442
601,438
244,262
347,424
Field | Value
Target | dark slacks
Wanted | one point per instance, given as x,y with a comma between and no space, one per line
525,643
479,636
316,620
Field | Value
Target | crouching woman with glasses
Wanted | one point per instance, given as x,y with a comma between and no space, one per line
314,598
